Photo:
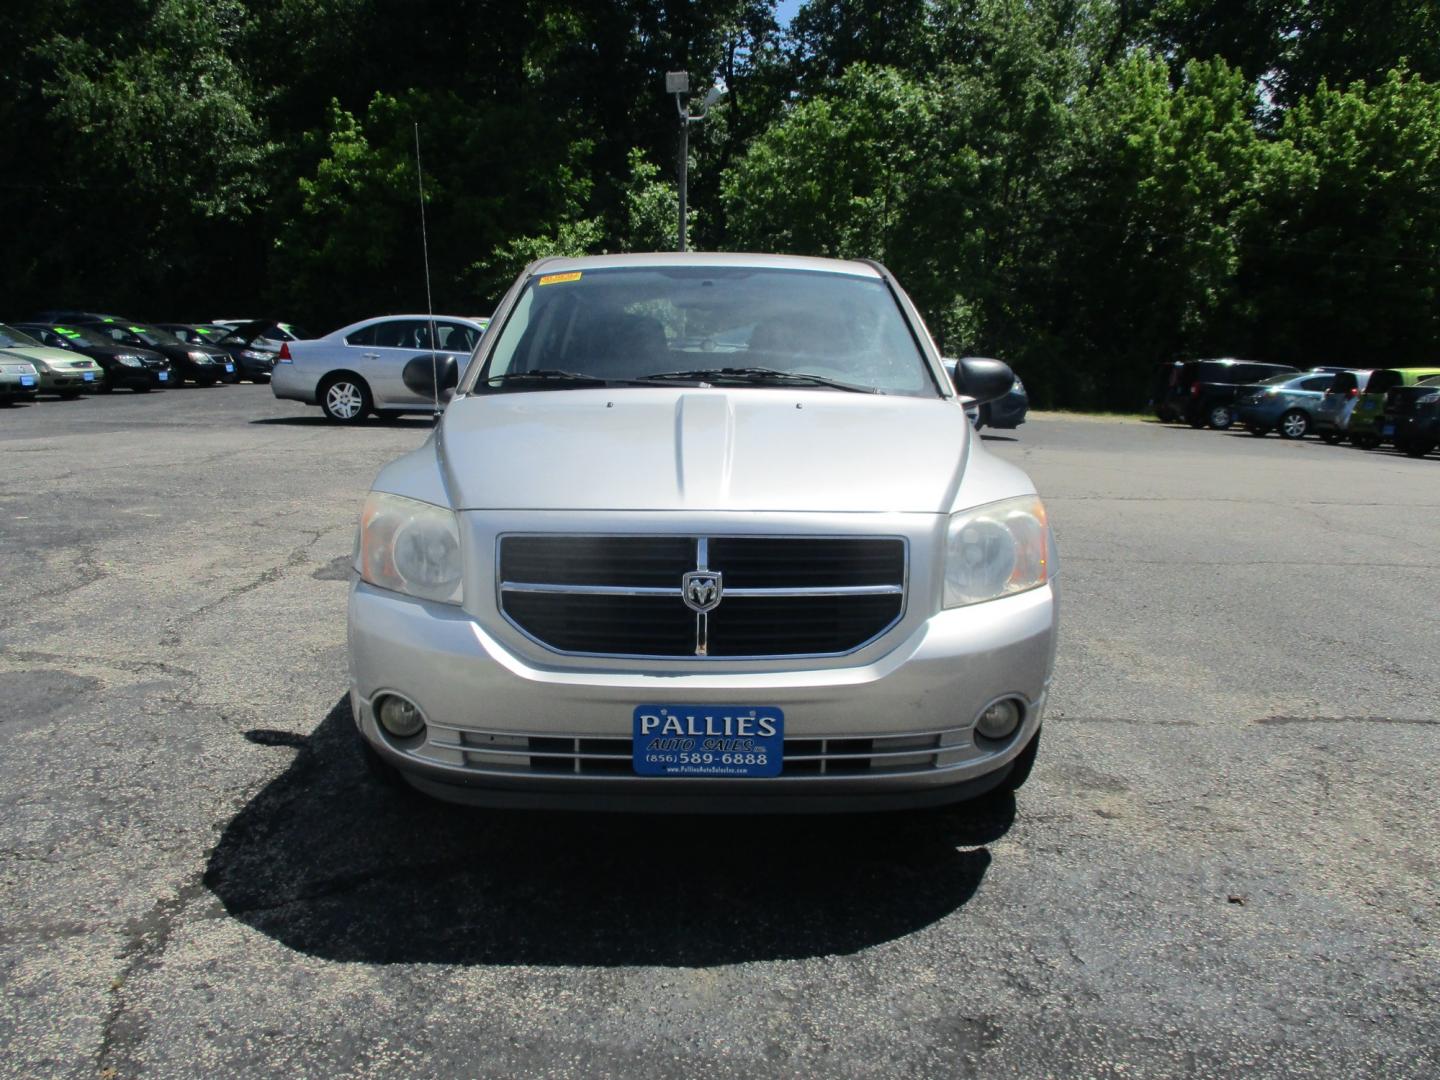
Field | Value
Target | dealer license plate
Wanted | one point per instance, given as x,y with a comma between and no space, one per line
88,376
708,740
1387,429
229,367
27,380
162,376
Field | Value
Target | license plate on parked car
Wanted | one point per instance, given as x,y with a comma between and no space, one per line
1387,429
27,380
88,376
162,376
708,740
229,367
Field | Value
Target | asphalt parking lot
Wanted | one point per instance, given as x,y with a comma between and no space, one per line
1226,860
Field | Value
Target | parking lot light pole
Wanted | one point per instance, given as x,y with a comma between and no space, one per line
678,83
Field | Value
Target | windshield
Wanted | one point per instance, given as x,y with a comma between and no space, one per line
83,334
150,335
699,324
14,339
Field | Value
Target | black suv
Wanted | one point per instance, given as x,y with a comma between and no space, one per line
1201,392
1412,416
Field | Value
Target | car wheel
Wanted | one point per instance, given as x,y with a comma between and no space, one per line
1330,438
345,399
1259,432
1417,449
1220,418
1294,425
1023,766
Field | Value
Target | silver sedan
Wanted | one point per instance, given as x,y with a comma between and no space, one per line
356,370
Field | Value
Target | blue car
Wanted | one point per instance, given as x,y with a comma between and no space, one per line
1285,404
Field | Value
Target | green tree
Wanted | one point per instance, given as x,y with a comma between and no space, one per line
1143,232
1343,249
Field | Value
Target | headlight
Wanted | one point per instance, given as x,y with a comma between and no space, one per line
256,354
997,550
128,360
199,357
1429,399
409,547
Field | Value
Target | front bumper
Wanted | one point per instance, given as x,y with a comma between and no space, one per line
911,705
248,368
70,381
11,387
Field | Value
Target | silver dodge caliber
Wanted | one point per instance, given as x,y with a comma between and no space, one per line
703,532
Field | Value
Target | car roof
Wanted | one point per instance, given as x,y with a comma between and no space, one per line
563,264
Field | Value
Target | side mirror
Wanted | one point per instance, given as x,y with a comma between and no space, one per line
419,376
979,379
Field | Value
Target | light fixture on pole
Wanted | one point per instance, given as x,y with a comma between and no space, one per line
678,83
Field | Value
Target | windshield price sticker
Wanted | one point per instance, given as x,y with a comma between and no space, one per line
559,279
711,740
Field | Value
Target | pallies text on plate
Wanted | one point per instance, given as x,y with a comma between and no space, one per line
669,724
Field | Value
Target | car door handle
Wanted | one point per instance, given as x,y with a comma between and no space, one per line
371,355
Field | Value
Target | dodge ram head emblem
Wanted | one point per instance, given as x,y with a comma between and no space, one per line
701,589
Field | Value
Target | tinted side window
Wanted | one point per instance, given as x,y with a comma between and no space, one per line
1381,381
456,338
401,334
1344,383
364,336
1320,382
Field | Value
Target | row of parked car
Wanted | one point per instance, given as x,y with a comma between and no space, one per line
68,353
1366,407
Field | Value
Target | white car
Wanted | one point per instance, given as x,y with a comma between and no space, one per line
704,531
358,369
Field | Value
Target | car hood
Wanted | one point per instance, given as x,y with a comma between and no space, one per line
60,358
702,449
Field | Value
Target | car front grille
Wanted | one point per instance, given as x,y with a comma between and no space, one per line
588,755
777,596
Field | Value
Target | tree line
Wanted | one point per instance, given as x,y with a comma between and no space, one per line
1081,187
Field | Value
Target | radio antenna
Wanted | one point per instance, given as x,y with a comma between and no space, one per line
429,303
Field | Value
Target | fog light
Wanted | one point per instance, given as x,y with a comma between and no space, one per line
400,717
1000,720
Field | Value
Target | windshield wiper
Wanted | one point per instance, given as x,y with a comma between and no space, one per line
544,376
757,376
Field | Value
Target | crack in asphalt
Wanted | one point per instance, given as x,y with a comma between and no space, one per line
134,667
266,577
147,938
1424,721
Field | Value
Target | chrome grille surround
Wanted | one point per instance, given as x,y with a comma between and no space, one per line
495,753
697,643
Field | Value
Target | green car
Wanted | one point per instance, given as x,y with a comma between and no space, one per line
59,372
18,380
1365,428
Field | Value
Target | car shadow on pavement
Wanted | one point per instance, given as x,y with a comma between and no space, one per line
331,863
